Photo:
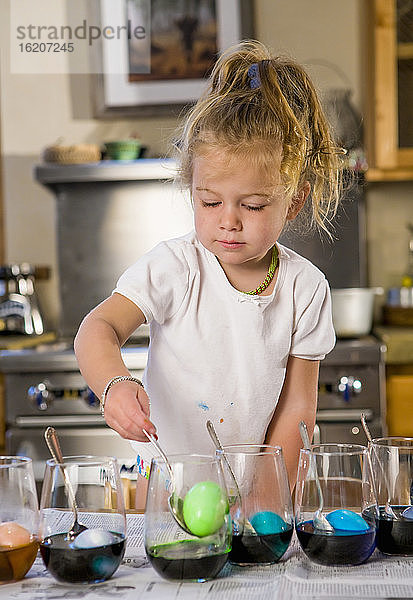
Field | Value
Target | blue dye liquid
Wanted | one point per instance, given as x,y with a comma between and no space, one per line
338,548
81,565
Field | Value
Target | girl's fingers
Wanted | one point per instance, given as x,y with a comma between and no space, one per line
143,400
128,419
136,417
127,432
130,407
119,429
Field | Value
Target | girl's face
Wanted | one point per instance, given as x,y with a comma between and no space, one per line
238,214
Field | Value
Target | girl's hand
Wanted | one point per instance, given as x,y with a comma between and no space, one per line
127,410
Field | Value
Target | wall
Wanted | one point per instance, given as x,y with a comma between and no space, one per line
36,110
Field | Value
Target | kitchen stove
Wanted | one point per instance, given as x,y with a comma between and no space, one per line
44,387
351,382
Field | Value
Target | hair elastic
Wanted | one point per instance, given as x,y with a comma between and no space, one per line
254,75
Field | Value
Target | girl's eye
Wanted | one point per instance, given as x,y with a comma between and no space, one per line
212,203
206,204
255,207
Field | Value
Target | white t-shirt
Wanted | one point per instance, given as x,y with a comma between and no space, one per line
216,353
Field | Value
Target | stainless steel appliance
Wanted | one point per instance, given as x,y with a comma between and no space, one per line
44,387
108,215
19,307
343,258
352,382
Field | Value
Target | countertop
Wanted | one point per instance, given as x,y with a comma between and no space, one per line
293,578
18,342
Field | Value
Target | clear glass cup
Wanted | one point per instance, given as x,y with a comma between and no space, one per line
392,461
18,517
347,503
200,495
262,517
93,555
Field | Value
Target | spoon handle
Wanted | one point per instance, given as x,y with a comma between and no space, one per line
307,445
156,445
52,441
365,427
53,444
387,507
214,436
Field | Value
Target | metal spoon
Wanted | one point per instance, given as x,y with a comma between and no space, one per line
175,503
237,527
387,508
53,444
408,512
217,443
319,520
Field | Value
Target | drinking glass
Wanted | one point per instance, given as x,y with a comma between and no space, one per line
392,460
199,494
347,500
18,517
263,517
92,485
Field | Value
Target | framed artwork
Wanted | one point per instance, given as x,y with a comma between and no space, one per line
167,72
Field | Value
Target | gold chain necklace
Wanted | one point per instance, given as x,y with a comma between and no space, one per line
270,275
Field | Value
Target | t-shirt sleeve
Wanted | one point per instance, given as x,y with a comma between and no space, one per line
314,335
157,282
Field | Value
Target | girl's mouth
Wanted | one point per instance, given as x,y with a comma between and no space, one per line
230,244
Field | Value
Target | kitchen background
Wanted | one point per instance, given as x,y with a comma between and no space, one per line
37,110
331,36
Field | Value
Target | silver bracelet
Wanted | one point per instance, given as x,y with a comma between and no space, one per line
112,382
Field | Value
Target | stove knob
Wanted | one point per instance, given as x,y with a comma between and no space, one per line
40,396
90,398
349,387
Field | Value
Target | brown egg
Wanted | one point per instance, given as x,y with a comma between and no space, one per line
12,535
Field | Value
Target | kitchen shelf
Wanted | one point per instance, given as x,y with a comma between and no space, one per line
388,123
399,343
106,170
405,51
398,174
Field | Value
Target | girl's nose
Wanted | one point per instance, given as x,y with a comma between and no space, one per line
230,219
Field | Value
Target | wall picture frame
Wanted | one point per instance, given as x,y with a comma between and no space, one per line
166,88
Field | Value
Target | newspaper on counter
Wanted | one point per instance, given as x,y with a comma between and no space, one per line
294,577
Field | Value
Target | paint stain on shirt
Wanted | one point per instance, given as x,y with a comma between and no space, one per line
203,406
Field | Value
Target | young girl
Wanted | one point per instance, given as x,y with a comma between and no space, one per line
238,322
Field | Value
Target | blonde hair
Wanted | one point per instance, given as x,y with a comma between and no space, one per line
258,113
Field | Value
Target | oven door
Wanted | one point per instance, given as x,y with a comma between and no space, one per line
344,427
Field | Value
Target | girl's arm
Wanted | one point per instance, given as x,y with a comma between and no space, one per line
97,347
297,402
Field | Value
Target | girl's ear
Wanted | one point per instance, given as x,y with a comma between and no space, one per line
298,201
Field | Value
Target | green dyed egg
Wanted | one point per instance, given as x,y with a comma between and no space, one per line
205,507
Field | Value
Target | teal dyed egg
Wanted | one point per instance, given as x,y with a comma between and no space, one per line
268,523
204,508
347,520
